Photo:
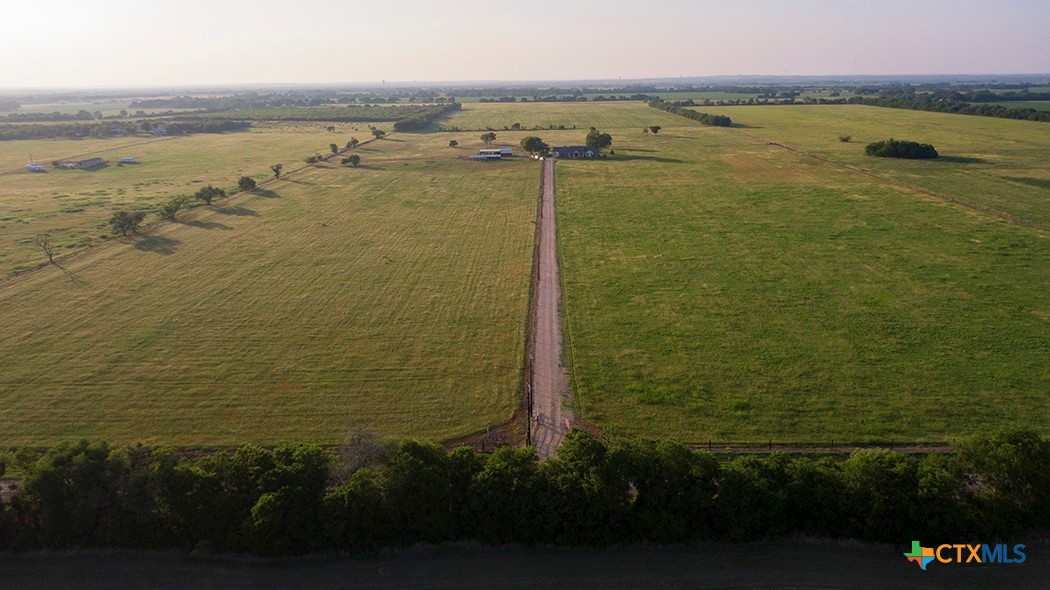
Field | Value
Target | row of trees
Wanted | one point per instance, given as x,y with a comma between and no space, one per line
300,498
125,222
892,148
108,128
425,117
702,118
930,102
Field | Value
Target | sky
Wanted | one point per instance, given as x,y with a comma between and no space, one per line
105,43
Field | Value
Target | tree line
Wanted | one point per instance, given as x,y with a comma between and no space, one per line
930,102
296,499
702,118
110,128
423,118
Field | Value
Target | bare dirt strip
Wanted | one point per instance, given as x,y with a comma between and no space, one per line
548,378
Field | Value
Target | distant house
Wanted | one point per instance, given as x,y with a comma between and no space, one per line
574,151
89,163
34,167
159,130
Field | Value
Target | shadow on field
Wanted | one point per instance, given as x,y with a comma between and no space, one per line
238,210
1037,182
157,244
294,181
960,160
622,158
269,194
205,224
800,565
746,126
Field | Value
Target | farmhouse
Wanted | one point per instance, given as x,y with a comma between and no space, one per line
159,130
89,163
487,154
574,151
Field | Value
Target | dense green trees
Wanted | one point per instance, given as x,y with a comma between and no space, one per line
534,145
353,160
488,138
208,194
246,183
949,104
702,118
597,140
294,499
892,148
175,204
425,116
123,222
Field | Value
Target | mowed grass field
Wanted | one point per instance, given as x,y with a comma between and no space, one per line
392,296
73,206
721,288
581,115
996,163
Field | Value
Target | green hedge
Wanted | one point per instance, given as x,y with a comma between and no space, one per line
299,498
703,118
892,148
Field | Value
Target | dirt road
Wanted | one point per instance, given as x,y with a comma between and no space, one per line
551,414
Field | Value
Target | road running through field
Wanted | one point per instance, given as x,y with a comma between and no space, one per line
549,379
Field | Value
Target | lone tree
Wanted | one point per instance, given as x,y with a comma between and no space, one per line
209,193
655,129
173,206
246,183
598,140
334,148
352,160
378,133
452,143
44,243
277,170
488,137
534,145
126,221
352,143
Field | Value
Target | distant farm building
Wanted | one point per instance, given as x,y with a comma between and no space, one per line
574,151
159,130
34,167
487,154
128,161
89,163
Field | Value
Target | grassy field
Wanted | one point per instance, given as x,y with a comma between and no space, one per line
73,206
720,288
581,115
392,296
997,163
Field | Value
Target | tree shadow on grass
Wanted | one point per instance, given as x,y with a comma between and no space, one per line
158,244
961,160
238,210
745,126
269,194
294,181
205,224
1037,182
626,158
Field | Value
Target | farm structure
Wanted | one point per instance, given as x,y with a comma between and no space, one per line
574,151
87,164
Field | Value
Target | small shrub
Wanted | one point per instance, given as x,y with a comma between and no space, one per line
845,138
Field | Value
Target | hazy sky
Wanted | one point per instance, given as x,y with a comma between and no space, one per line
185,42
